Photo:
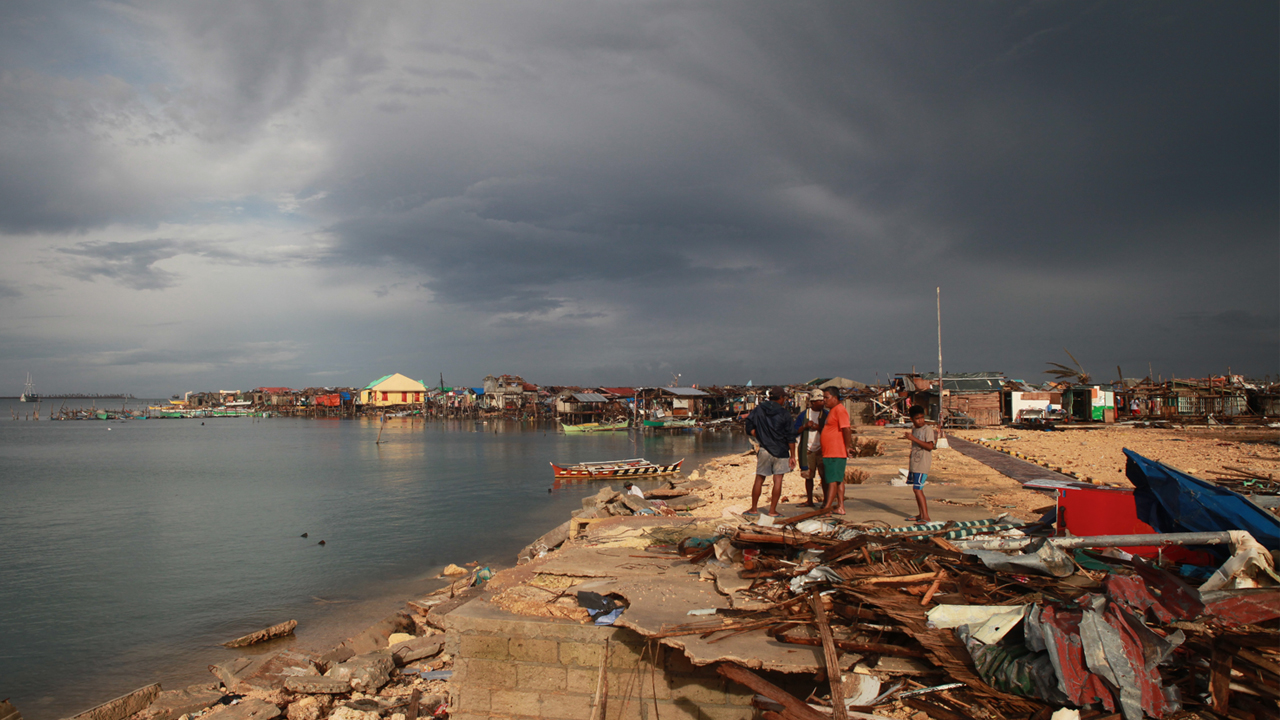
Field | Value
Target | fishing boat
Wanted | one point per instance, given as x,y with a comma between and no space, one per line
670,423
607,469
29,392
595,427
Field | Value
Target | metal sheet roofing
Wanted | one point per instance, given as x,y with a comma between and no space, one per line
686,392
972,385
589,397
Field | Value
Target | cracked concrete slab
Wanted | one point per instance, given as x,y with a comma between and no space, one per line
662,590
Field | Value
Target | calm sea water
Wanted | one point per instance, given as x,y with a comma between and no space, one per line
129,550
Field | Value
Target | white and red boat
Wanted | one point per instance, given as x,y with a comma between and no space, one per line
607,469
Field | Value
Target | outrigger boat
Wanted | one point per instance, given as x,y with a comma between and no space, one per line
685,422
604,470
595,427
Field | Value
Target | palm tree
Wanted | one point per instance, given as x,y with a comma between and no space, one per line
1076,375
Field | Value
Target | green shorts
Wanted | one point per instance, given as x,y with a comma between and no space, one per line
834,469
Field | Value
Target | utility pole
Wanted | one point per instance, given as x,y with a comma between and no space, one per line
940,390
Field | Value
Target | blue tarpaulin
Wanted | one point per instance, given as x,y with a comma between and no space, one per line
1173,501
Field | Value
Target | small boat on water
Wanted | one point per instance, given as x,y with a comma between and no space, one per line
670,423
596,427
604,470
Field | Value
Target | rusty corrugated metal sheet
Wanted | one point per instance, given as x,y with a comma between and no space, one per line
1246,607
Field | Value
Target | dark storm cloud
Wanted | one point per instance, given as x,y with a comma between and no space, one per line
92,96
510,253
650,188
245,61
978,145
133,264
8,290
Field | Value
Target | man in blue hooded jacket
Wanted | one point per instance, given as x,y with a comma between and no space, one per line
771,425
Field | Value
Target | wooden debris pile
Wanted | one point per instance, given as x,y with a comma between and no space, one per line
914,623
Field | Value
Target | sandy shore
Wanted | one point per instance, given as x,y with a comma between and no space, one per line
1096,453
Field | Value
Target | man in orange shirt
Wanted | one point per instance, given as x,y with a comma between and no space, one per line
836,433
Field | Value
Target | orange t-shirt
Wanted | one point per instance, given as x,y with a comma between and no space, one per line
833,433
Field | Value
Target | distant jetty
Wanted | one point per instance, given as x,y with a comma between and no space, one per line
79,396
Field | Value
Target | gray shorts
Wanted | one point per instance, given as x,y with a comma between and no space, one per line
767,464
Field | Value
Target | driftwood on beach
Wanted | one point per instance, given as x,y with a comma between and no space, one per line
275,631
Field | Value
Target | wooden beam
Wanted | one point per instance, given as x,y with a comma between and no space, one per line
851,646
831,657
933,710
794,706
1220,678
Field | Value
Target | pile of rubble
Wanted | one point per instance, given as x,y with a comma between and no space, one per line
396,670
922,619
670,499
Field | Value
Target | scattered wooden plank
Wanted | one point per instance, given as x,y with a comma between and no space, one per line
1220,678
894,579
933,589
830,657
805,516
933,710
851,646
599,703
1263,663
795,707
414,699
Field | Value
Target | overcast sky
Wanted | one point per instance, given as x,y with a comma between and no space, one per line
223,195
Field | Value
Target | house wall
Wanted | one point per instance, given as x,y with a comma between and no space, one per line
1032,401
393,397
1212,405
511,666
984,408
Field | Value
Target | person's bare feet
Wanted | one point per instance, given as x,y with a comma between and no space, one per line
810,504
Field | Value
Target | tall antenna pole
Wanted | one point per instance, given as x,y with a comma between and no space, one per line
940,354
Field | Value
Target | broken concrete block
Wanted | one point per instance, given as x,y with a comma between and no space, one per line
687,502
605,496
246,709
374,638
263,677
123,706
350,713
229,671
367,672
549,541
428,705
173,704
317,685
635,503
275,631
397,638
416,649
307,708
